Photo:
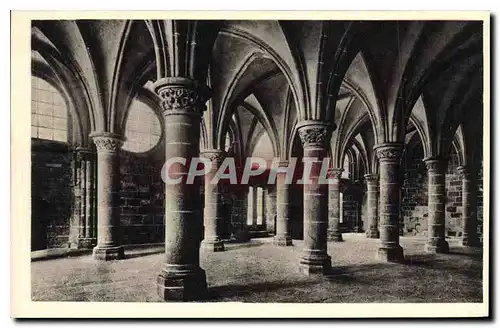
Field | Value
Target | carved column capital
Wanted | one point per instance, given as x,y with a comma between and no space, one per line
315,133
371,178
107,142
216,156
389,152
335,173
281,162
436,164
180,95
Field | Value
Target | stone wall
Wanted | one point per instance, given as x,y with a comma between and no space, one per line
454,224
51,194
414,195
480,203
142,198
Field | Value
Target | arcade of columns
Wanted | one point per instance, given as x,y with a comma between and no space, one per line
181,55
182,278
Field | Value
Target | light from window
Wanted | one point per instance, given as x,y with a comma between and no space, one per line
345,173
49,114
142,130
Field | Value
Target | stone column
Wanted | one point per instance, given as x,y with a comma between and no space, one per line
315,136
270,210
469,208
254,207
239,233
334,233
372,205
109,239
389,156
213,212
436,170
182,278
282,237
85,176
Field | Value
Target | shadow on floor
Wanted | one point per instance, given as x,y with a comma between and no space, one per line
472,253
421,260
145,252
226,291
232,247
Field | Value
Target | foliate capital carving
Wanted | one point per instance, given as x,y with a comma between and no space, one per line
371,178
390,152
181,95
107,142
215,156
435,164
315,133
335,173
277,162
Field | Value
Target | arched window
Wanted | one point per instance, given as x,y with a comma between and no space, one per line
142,130
49,113
347,167
227,142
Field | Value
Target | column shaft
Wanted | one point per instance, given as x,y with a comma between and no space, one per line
239,224
389,156
282,237
213,211
182,278
372,205
315,136
271,210
469,208
86,193
109,237
436,242
334,233
254,208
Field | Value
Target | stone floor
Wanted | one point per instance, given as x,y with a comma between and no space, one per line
260,272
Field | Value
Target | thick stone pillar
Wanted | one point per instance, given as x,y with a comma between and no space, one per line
109,239
334,233
469,208
389,156
182,101
436,170
239,226
261,208
372,205
282,237
253,190
213,211
270,210
315,136
85,198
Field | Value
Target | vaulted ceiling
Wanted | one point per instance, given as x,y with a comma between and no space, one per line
373,79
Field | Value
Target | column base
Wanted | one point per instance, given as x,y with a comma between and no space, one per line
86,243
282,241
191,286
373,233
335,236
437,246
471,241
390,254
213,245
108,253
311,264
239,237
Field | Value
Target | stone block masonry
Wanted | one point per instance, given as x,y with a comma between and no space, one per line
142,199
